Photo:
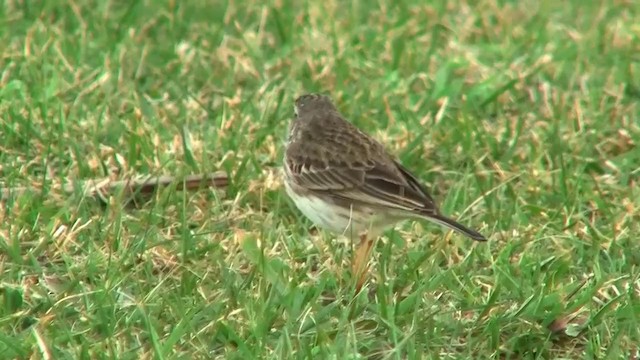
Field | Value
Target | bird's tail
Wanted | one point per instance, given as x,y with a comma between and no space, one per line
454,225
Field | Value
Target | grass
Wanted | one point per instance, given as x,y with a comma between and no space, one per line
522,117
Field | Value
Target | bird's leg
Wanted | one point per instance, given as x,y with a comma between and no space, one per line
361,261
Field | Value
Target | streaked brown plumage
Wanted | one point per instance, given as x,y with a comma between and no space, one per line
345,181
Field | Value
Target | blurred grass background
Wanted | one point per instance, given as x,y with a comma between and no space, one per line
522,116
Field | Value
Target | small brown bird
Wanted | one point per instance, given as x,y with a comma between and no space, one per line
344,181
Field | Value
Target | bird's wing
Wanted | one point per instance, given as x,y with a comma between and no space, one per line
357,171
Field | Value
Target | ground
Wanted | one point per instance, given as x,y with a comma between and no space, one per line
521,116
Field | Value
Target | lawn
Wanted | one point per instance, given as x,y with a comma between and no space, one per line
522,117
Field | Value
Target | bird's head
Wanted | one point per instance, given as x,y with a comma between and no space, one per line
309,103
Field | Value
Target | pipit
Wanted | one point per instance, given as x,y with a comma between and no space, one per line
345,181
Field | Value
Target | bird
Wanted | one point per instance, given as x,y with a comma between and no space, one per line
346,182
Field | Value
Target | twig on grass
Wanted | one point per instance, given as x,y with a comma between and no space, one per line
139,186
